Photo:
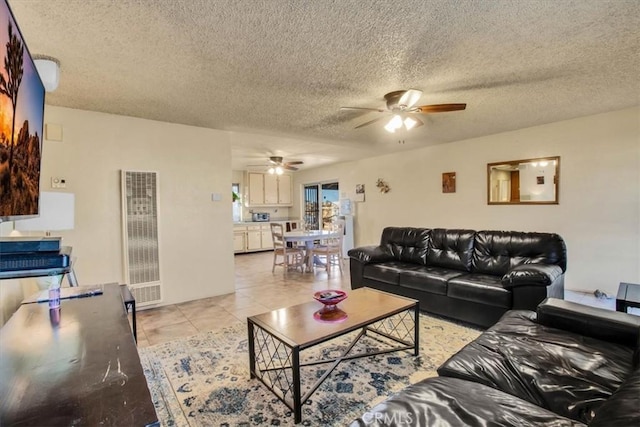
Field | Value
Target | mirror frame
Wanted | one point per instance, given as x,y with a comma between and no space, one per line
518,162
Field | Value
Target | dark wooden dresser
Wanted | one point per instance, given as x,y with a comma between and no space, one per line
77,365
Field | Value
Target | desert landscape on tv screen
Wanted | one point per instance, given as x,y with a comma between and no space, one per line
21,123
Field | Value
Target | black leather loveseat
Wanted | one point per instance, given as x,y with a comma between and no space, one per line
473,276
566,365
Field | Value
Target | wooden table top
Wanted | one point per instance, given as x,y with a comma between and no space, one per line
296,326
75,366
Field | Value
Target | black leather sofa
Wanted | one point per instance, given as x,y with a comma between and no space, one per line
566,365
473,276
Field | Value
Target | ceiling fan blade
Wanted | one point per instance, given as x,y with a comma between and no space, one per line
369,122
296,162
379,110
410,97
289,168
438,108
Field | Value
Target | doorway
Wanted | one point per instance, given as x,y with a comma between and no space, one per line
321,205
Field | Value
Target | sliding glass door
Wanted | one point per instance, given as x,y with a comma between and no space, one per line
320,205
311,210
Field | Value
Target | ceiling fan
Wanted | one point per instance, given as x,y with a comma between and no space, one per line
402,105
278,166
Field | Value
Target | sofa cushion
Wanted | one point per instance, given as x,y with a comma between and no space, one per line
497,252
480,288
451,249
623,408
567,373
406,244
454,402
428,279
386,272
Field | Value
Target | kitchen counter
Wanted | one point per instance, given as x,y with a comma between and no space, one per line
266,222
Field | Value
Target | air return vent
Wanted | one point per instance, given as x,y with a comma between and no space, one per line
140,229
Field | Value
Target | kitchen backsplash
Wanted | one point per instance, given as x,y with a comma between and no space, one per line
276,213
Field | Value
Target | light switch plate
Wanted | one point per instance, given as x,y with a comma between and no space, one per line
57,182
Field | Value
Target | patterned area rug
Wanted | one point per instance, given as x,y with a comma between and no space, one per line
204,380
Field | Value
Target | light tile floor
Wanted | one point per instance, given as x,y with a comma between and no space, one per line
257,291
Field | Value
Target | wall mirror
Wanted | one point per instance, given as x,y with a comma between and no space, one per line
524,182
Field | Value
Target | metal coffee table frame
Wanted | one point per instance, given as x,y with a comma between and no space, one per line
271,355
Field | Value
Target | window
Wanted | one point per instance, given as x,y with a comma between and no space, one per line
237,204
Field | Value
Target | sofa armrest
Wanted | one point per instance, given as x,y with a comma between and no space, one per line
531,274
607,325
370,254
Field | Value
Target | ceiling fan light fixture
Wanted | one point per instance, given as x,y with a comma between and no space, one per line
389,127
279,170
410,123
271,170
394,124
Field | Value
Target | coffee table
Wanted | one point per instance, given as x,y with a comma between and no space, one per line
276,339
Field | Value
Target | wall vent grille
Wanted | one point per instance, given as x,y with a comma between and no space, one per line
141,239
146,294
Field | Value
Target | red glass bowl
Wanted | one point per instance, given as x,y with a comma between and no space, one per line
330,297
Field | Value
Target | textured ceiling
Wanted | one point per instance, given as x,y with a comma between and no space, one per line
280,69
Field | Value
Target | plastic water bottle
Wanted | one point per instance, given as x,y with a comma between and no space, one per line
54,292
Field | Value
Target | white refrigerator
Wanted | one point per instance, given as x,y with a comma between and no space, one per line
346,215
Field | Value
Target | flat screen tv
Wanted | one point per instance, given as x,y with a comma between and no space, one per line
21,123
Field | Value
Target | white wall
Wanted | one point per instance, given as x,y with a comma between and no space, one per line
195,233
599,210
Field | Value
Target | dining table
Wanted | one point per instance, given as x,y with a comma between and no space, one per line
310,237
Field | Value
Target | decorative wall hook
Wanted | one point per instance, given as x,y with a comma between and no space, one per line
383,186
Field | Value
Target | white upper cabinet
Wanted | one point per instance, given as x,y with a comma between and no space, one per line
256,188
269,189
284,190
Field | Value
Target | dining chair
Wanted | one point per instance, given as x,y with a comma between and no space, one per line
291,257
331,249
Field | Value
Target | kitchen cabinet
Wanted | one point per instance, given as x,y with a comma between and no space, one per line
257,236
239,239
267,240
269,189
256,188
284,190
254,238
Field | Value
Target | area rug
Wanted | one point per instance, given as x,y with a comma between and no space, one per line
204,380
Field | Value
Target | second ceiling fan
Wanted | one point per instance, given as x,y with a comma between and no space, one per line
401,104
278,166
